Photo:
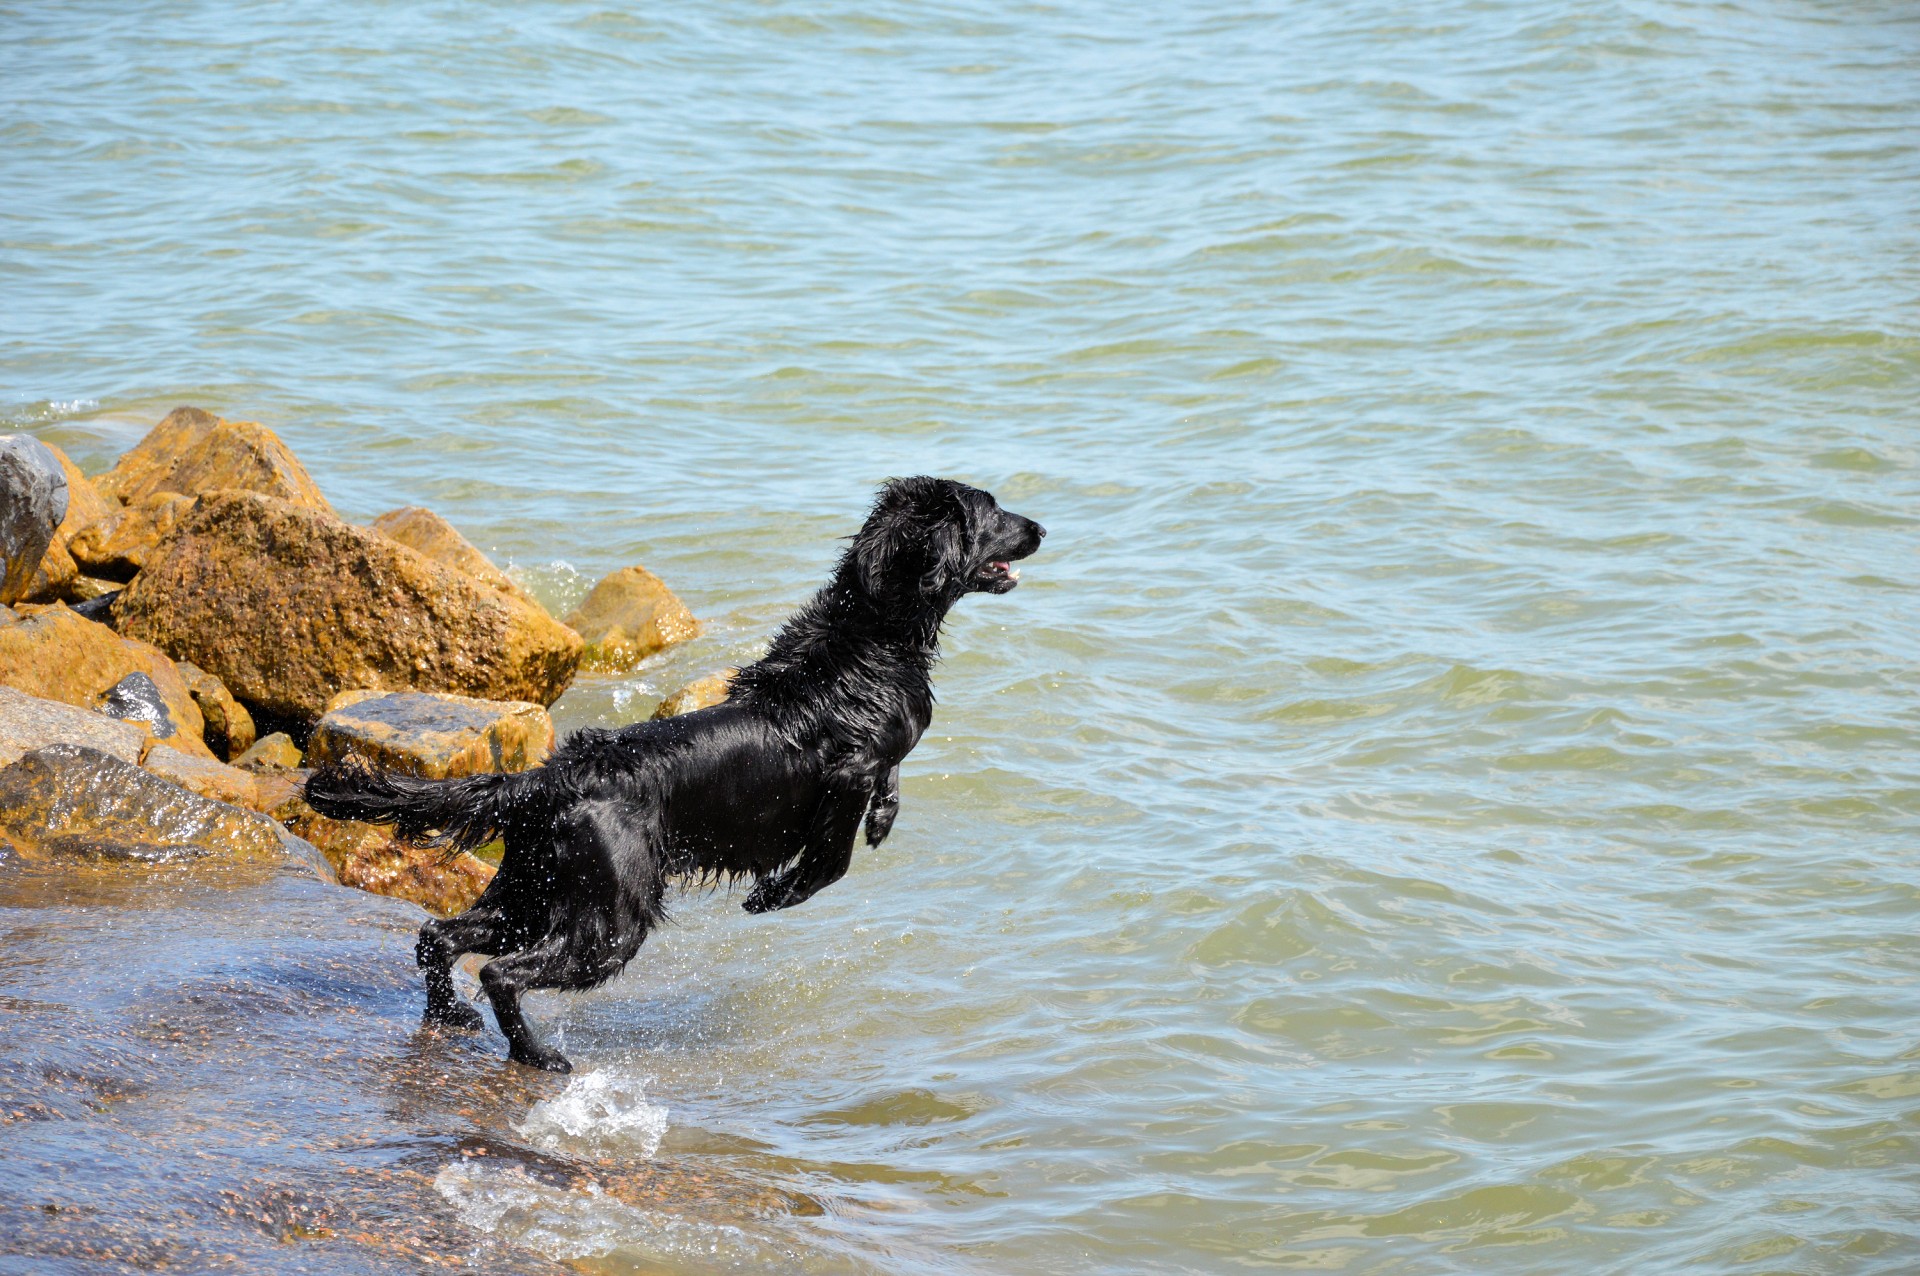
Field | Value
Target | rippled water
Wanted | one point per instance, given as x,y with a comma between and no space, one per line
1448,795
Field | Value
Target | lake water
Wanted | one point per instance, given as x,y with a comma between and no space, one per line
1446,797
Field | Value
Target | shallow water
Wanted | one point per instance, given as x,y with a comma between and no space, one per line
1447,795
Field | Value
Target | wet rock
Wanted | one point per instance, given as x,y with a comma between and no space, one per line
701,693
629,616
289,606
53,653
59,578
192,452
229,729
434,735
33,500
69,800
30,722
276,752
368,857
210,779
423,530
116,547
135,698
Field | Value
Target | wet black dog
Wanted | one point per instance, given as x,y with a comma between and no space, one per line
772,784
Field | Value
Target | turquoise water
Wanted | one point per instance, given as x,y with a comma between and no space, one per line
1446,798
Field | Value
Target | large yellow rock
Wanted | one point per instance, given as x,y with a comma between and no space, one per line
52,653
59,578
192,452
630,615
421,529
431,734
116,547
289,606
29,722
701,693
68,800
369,858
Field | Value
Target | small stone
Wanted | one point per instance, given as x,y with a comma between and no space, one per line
33,500
30,722
193,451
431,734
210,779
135,698
629,615
702,693
68,800
425,532
230,729
276,752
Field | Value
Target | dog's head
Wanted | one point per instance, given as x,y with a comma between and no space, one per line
933,540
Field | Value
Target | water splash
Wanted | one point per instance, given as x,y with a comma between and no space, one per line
599,1112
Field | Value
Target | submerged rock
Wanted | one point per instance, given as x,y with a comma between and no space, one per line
59,578
69,800
288,606
701,693
31,722
192,451
368,857
423,530
230,729
276,752
33,500
115,547
431,734
53,653
630,615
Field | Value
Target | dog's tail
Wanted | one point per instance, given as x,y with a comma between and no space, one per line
455,814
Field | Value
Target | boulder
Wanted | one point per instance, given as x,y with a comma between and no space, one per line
59,578
116,547
33,500
368,857
30,722
629,616
192,452
52,653
230,730
288,606
423,530
68,800
206,777
276,752
431,734
701,693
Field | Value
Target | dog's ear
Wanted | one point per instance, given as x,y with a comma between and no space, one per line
878,542
946,553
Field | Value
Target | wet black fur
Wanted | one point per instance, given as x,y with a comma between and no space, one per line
773,784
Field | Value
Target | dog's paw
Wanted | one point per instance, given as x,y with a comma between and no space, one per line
541,1057
458,1015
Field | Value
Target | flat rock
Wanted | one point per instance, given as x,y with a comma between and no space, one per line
30,722
230,729
431,734
701,693
59,578
33,500
52,653
424,531
630,615
115,547
368,857
288,606
210,779
68,800
276,752
192,451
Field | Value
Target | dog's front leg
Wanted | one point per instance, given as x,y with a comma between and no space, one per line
886,805
825,857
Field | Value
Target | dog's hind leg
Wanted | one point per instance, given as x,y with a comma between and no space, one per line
506,978
441,943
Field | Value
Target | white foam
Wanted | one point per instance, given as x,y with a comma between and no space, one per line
507,1204
599,1111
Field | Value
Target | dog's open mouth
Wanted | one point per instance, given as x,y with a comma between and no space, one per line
998,574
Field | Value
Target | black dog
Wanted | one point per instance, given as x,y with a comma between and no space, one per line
773,783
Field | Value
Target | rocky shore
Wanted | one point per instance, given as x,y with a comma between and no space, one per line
181,636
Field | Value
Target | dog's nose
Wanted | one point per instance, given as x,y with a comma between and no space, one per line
1038,530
